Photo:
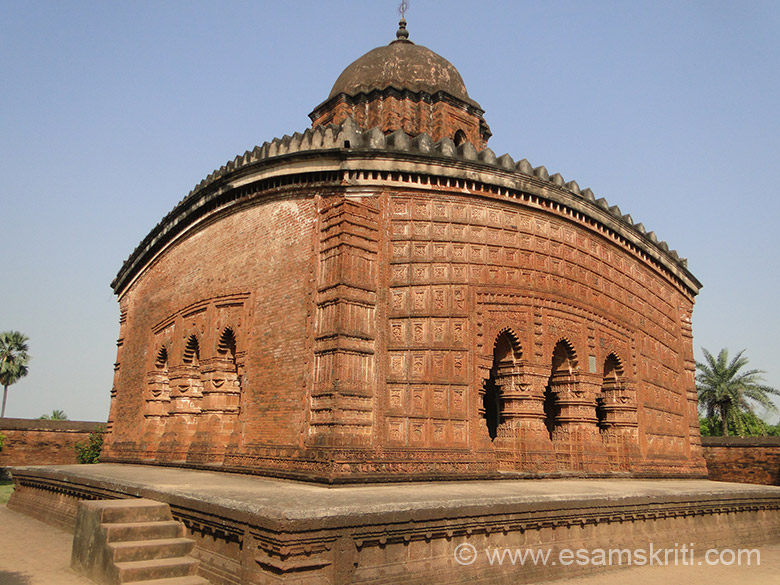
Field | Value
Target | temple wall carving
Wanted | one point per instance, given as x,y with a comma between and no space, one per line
390,325
458,266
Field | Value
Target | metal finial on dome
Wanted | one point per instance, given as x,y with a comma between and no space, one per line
402,34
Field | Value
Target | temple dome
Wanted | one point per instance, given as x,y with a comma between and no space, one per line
404,86
402,65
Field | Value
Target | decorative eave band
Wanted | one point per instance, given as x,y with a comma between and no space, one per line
323,154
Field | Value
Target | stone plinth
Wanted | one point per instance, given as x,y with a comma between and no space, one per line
257,531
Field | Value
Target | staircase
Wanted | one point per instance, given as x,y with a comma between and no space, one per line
132,542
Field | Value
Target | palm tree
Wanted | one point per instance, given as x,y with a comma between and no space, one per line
13,360
55,415
725,390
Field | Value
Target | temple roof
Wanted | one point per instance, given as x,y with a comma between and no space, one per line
347,140
402,65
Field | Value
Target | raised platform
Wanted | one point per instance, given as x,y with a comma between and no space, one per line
255,530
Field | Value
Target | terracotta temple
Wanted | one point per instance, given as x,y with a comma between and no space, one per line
382,298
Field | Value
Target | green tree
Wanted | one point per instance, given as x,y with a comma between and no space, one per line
748,424
13,360
725,389
709,426
89,452
55,415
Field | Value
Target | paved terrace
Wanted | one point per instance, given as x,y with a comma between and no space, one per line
285,501
35,553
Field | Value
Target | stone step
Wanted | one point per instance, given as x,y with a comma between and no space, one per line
188,580
156,569
121,531
141,550
133,510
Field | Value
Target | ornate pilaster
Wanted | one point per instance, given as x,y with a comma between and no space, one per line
523,443
219,409
689,379
620,428
158,397
156,411
186,391
221,387
109,435
342,402
576,436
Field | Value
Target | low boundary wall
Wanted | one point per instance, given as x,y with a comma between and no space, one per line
743,459
41,442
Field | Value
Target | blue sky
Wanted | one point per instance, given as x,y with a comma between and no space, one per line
111,112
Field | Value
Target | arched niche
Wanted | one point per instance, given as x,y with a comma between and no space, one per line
506,358
611,385
562,367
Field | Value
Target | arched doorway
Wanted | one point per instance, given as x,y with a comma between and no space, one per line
563,363
506,353
610,386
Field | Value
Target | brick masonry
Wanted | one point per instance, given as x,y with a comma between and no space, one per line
42,442
365,315
391,110
743,459
367,301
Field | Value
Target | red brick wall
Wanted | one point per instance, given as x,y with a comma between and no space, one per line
743,459
249,272
42,442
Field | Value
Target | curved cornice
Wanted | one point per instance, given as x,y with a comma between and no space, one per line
330,155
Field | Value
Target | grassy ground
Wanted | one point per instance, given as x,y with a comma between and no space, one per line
6,487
